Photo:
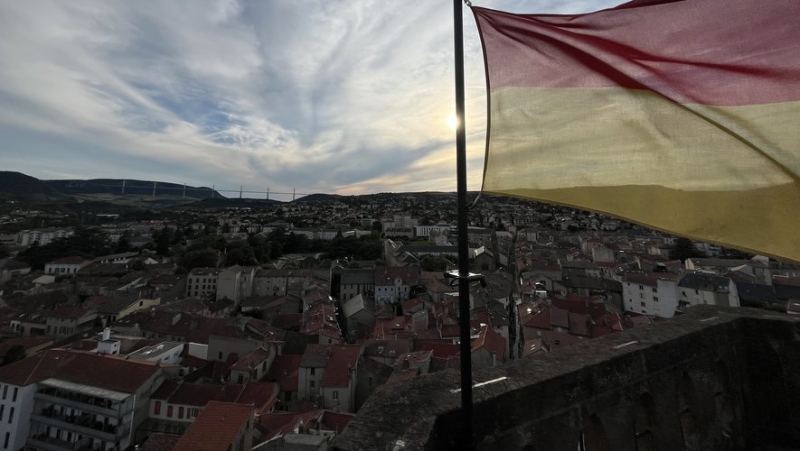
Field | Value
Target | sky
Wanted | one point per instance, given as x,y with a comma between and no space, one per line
334,96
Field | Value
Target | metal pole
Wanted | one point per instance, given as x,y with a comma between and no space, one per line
463,243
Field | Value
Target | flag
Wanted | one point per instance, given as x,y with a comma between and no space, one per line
683,116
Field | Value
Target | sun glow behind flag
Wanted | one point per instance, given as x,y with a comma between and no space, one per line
679,115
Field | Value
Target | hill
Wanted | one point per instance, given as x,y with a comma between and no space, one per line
17,183
318,197
129,187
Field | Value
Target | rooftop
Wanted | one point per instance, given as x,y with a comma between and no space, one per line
727,369
216,428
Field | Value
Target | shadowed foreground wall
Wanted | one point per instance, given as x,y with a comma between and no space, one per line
713,379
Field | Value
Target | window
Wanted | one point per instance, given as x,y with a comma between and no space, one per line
157,409
655,298
5,442
220,355
14,397
193,413
641,287
11,415
311,384
2,408
180,412
335,395
240,379
643,304
313,370
654,289
169,411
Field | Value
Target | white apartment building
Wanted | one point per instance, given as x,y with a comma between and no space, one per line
42,236
653,294
700,288
73,401
66,266
202,282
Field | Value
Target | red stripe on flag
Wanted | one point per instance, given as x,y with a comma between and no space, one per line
713,52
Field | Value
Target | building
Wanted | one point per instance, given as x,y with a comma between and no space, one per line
221,426
168,352
67,321
42,236
354,282
202,282
650,294
393,284
66,266
700,288
73,400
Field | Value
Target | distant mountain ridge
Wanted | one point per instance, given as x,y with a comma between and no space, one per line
17,183
130,187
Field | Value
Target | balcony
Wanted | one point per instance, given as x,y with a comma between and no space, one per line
82,424
44,442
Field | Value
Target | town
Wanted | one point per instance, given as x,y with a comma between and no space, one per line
268,327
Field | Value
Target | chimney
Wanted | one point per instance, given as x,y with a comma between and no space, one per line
106,333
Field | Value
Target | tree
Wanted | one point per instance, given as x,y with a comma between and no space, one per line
684,249
124,243
163,239
16,353
205,258
241,254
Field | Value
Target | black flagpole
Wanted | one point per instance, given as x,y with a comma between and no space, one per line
463,243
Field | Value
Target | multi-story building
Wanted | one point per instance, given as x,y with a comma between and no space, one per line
64,400
700,288
236,283
202,282
67,321
65,266
651,294
354,282
393,284
42,236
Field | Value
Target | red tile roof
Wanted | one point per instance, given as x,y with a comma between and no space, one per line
251,360
216,428
559,318
201,394
102,371
341,365
539,320
580,324
261,395
334,421
441,350
492,342
284,370
590,305
386,275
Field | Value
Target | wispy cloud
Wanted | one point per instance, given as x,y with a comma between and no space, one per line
344,96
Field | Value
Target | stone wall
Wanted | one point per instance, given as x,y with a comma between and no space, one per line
713,379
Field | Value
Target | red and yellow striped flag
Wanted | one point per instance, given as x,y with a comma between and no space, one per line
683,116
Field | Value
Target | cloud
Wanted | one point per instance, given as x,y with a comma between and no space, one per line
346,96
